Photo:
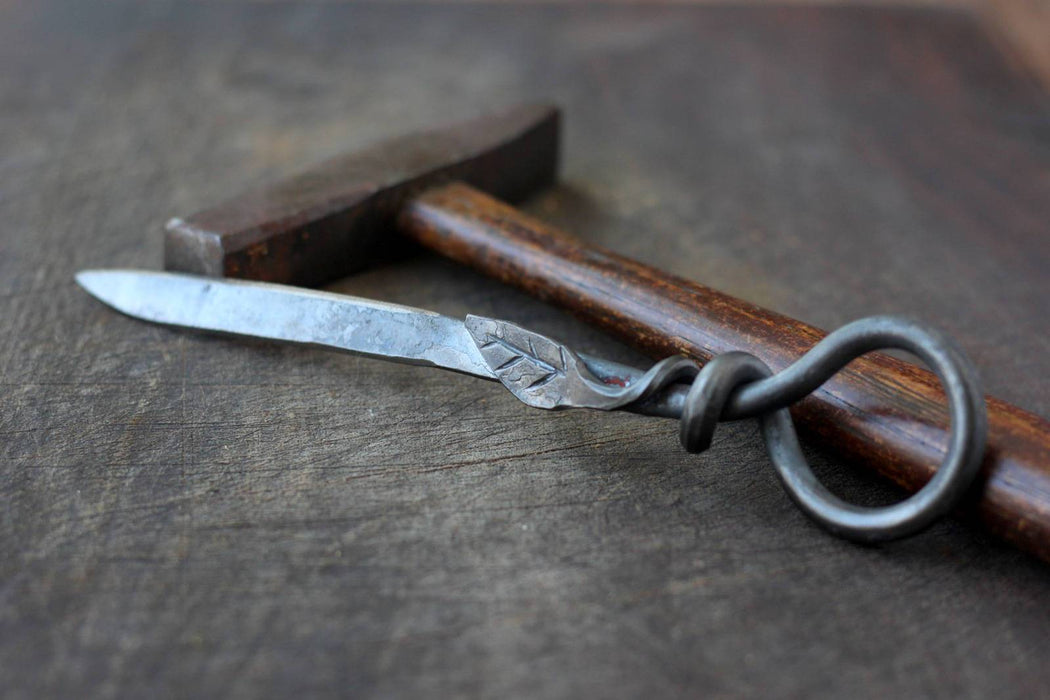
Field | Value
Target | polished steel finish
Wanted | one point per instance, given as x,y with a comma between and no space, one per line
290,314
546,374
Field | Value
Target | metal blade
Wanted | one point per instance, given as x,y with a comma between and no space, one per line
290,314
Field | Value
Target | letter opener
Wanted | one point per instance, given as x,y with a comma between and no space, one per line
544,373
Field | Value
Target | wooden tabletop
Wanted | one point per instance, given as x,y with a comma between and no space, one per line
187,516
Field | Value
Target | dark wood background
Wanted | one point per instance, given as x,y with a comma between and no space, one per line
191,516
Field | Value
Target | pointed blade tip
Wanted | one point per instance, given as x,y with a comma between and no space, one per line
90,280
108,286
83,277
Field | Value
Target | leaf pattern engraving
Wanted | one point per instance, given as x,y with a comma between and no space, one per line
539,371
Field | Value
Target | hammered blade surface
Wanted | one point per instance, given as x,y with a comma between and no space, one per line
290,314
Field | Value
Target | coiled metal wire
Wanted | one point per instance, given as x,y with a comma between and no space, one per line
738,385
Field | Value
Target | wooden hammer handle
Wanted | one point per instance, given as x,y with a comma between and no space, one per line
881,412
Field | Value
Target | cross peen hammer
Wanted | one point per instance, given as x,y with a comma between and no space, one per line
438,187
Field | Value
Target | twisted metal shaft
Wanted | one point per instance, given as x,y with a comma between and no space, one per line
738,385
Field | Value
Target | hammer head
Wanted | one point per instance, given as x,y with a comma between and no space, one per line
339,215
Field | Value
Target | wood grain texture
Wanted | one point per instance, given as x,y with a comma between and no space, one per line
879,411
187,516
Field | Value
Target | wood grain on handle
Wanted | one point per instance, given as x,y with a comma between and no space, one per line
884,413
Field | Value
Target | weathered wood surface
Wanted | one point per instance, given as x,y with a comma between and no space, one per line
196,516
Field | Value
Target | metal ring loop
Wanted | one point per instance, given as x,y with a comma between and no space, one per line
712,397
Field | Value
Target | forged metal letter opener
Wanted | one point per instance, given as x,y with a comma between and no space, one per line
545,374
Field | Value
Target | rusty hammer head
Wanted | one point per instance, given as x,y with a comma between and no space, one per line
339,215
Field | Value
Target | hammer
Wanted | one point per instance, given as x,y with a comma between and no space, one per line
443,190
